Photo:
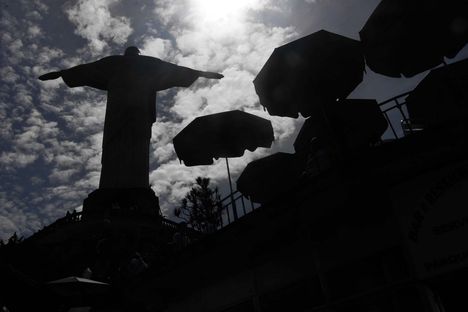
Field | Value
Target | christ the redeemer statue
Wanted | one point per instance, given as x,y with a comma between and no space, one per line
131,82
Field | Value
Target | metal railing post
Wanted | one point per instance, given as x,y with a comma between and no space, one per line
234,209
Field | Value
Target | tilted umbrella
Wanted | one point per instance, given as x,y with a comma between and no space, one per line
226,134
306,74
267,177
410,36
441,96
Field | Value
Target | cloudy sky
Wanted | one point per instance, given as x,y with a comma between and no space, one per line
51,136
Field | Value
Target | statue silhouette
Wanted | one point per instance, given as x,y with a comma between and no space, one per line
131,82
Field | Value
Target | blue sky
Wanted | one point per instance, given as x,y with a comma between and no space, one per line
50,135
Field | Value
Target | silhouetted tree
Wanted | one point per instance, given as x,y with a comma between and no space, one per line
201,207
14,239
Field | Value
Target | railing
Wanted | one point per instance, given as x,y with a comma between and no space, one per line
399,125
170,224
396,114
75,217
235,206
69,218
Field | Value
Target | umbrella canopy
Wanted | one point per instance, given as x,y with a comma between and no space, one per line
441,96
78,286
76,280
355,122
409,37
308,73
226,134
265,178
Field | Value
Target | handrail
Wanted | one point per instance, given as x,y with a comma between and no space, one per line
229,196
399,105
226,211
395,97
239,201
76,217
395,128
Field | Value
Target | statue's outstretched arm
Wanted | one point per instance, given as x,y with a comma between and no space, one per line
89,74
210,75
51,75
170,75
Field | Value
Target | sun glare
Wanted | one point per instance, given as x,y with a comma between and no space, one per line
223,10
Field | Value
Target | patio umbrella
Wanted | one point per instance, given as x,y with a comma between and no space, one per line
356,122
226,134
409,37
265,178
306,74
441,96
78,289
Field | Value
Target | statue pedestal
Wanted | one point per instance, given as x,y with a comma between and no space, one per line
121,202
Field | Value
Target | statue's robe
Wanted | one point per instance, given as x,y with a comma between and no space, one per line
131,83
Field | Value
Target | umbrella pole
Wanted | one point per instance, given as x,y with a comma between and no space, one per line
233,202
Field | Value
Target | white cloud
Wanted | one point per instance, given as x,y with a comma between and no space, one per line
11,160
47,135
7,228
8,74
62,176
34,31
16,46
157,47
41,6
94,22
230,42
46,55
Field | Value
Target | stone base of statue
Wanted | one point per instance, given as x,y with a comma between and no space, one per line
105,203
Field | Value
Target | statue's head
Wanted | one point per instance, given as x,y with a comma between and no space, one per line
132,51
